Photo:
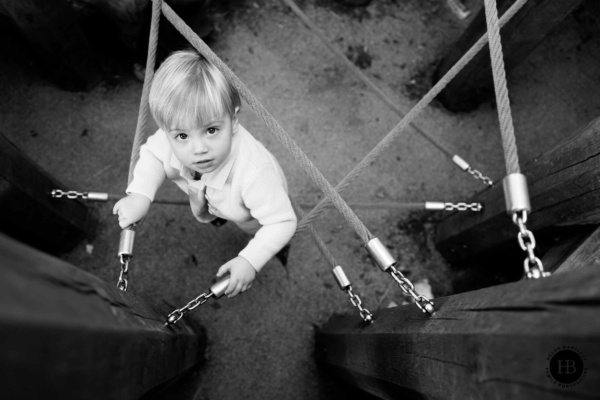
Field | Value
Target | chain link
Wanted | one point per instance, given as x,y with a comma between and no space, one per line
364,313
532,265
478,175
70,194
176,315
408,288
122,283
463,207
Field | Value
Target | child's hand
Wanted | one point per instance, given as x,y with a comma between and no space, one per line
131,209
241,275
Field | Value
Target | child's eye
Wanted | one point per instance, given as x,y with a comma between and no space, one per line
181,136
212,131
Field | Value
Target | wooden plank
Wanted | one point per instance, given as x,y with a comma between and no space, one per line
564,188
493,343
520,36
66,334
565,245
54,35
587,254
35,218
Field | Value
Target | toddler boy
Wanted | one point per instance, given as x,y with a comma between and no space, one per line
203,149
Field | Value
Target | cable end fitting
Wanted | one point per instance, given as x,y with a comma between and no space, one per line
380,254
218,289
435,205
126,242
516,193
340,277
97,196
460,162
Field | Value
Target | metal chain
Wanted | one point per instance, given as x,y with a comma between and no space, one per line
534,269
478,175
71,194
122,283
408,288
463,207
176,315
364,313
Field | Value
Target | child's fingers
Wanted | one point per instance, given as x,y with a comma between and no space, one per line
246,287
237,290
231,286
124,222
222,270
116,208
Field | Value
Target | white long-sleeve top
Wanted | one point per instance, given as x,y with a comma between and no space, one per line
249,188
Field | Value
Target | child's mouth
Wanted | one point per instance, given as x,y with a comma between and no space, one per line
203,165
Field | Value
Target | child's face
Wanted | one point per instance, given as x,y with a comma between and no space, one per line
205,148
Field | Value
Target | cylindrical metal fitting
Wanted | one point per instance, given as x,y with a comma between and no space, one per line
516,194
97,196
218,289
435,205
340,277
380,254
462,164
126,242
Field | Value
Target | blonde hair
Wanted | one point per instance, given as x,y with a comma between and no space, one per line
188,91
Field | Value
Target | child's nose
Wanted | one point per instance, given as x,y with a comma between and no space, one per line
200,145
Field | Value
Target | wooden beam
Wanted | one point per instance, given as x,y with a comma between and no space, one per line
586,254
51,225
565,245
54,35
520,36
564,189
66,334
493,343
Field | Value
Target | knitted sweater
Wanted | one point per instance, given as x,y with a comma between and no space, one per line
249,188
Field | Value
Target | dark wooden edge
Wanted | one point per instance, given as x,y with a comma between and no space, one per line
587,253
490,343
520,36
30,214
564,247
564,191
67,334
